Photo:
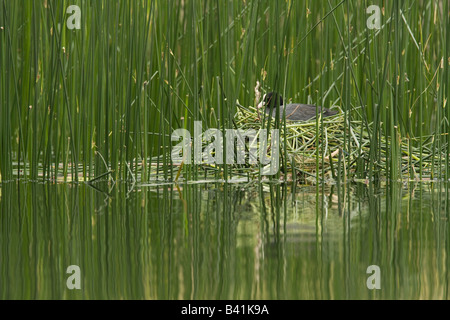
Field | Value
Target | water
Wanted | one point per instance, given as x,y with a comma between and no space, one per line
218,241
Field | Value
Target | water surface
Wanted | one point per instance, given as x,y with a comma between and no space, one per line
219,241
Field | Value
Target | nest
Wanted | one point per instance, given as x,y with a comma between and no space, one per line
329,148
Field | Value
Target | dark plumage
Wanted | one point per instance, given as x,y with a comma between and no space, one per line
294,111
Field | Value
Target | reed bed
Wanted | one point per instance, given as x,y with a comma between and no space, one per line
102,101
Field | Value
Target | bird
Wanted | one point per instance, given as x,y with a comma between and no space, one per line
294,111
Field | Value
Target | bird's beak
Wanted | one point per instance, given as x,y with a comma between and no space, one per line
260,105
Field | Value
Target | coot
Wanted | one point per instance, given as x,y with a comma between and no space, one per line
294,111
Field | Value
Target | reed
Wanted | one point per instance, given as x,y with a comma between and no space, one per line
103,101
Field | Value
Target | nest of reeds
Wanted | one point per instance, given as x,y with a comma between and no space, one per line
329,148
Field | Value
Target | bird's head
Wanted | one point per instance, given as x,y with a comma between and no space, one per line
270,100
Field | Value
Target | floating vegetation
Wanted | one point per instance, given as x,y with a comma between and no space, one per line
320,149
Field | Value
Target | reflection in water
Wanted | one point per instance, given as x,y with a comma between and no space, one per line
226,242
